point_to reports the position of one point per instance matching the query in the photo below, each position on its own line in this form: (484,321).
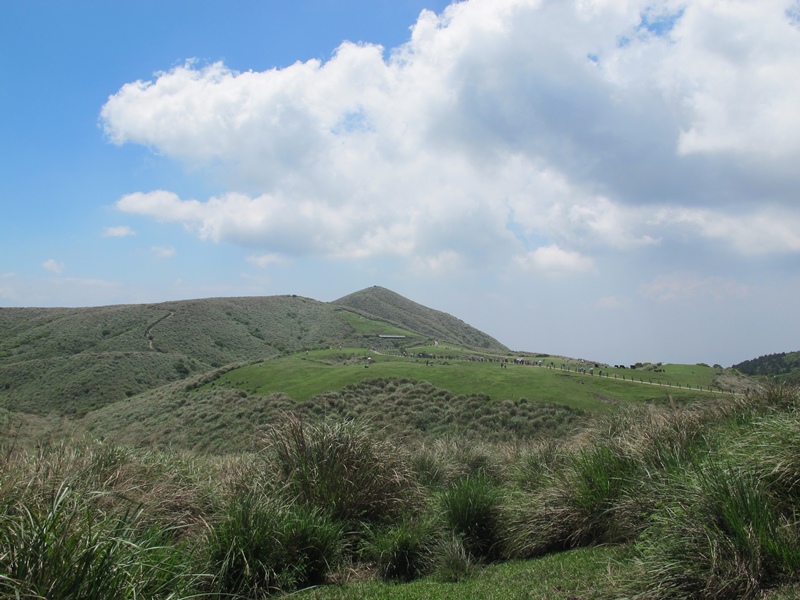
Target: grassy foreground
(583,573)
(651,502)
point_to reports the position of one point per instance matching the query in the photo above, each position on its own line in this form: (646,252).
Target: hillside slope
(74,360)
(394,308)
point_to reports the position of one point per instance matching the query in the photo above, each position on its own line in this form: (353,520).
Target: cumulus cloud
(118,231)
(572,127)
(766,230)
(53,266)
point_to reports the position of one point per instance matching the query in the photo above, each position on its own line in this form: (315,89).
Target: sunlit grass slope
(304,375)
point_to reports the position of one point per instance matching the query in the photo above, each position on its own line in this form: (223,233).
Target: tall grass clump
(728,523)
(259,547)
(718,535)
(602,488)
(446,460)
(583,501)
(598,478)
(342,469)
(67,550)
(403,552)
(536,464)
(771,447)
(471,510)
(451,560)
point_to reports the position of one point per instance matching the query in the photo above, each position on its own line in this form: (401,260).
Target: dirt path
(659,384)
(148,333)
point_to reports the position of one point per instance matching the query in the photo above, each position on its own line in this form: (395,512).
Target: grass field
(364,326)
(304,375)
(586,573)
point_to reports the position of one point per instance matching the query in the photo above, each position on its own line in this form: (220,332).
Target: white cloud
(576,127)
(118,231)
(162,252)
(552,260)
(689,286)
(265,260)
(743,93)
(53,266)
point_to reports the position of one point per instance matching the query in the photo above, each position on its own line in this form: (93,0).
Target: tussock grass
(718,535)
(222,420)
(471,508)
(342,469)
(404,551)
(67,548)
(452,561)
(447,460)
(692,502)
(259,547)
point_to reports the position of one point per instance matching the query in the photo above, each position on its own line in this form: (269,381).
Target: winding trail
(148,333)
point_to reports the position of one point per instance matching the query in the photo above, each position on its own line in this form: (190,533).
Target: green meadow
(307,374)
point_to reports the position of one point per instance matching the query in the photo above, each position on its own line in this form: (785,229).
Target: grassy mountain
(389,306)
(73,360)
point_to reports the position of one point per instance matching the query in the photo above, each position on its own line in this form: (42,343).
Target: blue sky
(611,180)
